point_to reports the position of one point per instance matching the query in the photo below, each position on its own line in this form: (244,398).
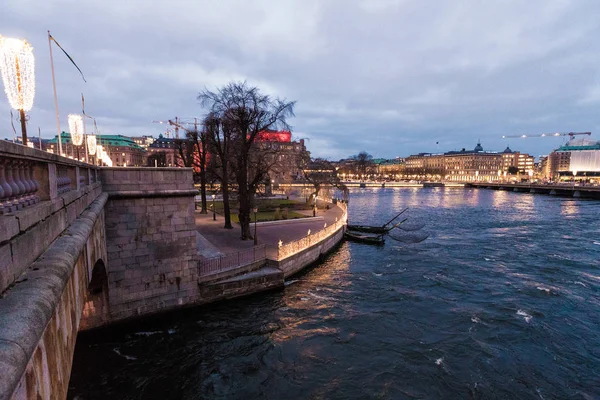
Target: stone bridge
(83,246)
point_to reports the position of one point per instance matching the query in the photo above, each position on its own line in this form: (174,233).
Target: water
(501,301)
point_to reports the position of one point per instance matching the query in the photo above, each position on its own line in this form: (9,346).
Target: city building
(122,150)
(143,141)
(287,167)
(393,168)
(164,152)
(468,165)
(473,165)
(577,158)
(522,162)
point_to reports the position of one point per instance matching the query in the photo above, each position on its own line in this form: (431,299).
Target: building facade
(577,158)
(122,150)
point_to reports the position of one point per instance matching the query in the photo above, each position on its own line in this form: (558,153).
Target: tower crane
(571,134)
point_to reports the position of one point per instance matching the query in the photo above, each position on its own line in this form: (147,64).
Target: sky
(389,77)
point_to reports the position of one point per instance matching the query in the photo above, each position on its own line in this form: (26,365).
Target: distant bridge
(566,190)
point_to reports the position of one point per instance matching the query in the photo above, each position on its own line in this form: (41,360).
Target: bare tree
(364,163)
(219,134)
(319,173)
(245,112)
(199,140)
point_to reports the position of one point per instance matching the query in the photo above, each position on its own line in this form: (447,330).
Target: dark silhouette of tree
(363,163)
(319,173)
(199,140)
(512,170)
(243,112)
(219,135)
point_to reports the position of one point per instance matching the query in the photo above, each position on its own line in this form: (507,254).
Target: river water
(501,301)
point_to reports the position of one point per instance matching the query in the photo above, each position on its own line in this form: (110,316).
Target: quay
(82,247)
(564,190)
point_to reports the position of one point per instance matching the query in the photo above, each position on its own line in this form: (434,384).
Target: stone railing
(18,185)
(231,261)
(289,249)
(28,176)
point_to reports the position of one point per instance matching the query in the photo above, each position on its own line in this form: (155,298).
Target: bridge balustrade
(28,176)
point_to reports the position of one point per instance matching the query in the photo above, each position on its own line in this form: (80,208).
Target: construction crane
(571,134)
(173,123)
(177,123)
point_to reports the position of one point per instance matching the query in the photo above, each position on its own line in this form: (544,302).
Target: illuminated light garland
(17,66)
(91,143)
(103,156)
(76,128)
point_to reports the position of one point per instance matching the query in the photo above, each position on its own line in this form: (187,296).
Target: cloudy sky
(388,77)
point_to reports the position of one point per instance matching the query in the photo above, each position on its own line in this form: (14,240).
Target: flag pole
(85,146)
(55,98)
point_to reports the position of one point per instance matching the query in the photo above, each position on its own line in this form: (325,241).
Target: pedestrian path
(216,239)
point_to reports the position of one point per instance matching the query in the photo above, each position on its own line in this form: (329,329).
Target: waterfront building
(393,168)
(473,165)
(577,158)
(521,161)
(468,165)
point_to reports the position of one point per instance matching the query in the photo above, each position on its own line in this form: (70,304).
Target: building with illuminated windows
(579,158)
(122,150)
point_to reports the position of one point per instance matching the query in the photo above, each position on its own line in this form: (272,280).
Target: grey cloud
(389,77)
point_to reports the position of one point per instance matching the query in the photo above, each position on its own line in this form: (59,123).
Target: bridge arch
(96,306)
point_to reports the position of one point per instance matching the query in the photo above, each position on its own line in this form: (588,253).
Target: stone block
(7,273)
(9,227)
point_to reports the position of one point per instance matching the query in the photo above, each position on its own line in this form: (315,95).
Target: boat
(369,239)
(377,229)
(367,228)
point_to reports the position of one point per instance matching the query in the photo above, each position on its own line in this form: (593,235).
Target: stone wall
(301,260)
(40,313)
(151,240)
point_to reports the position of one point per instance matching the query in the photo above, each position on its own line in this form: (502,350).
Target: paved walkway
(214,240)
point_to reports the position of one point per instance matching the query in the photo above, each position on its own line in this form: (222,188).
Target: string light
(101,154)
(18,72)
(76,128)
(91,143)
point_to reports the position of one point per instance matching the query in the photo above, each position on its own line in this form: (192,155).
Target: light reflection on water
(500,302)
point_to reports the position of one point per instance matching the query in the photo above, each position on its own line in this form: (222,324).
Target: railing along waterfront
(28,176)
(231,261)
(296,246)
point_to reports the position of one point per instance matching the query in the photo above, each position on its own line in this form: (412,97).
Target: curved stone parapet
(40,313)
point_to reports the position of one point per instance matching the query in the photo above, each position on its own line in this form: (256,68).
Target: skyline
(391,78)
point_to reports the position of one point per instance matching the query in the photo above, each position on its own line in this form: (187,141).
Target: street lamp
(255,210)
(17,69)
(214,213)
(315,206)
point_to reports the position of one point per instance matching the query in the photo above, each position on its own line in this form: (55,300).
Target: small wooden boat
(367,228)
(369,239)
(377,229)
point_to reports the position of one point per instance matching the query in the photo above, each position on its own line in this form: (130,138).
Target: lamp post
(315,207)
(214,213)
(255,210)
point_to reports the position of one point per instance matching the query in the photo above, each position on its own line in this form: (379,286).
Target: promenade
(213,240)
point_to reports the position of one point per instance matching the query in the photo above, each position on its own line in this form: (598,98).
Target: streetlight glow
(17,67)
(18,72)
(91,143)
(76,128)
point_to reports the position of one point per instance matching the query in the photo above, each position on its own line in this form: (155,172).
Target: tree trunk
(225,191)
(203,189)
(245,205)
